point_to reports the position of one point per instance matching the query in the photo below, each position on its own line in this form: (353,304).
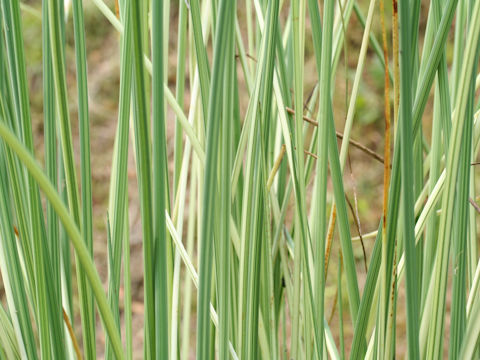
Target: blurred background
(363,176)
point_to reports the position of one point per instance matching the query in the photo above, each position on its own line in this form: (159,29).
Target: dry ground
(363,176)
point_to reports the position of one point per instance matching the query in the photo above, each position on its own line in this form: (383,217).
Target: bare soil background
(363,176)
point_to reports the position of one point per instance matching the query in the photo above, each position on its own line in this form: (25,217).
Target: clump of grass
(248,161)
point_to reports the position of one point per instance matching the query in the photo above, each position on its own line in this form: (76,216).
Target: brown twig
(306,152)
(72,335)
(355,200)
(117,10)
(396,62)
(474,204)
(386,170)
(311,154)
(309,97)
(357,224)
(331,228)
(250,57)
(354,143)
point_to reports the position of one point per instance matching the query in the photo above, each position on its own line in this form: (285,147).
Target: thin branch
(72,335)
(357,224)
(475,205)
(354,143)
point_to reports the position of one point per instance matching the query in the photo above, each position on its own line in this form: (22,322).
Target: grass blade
(160,186)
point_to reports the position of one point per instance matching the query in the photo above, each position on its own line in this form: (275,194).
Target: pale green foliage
(246,215)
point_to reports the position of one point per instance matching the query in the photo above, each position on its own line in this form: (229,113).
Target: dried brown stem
(354,143)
